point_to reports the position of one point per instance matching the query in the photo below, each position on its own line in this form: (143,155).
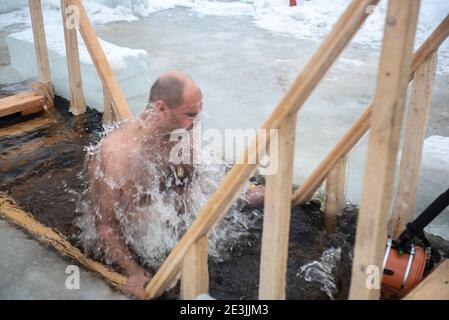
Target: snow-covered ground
(236,48)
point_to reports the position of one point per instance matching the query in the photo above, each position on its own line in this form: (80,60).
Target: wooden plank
(21,102)
(77,102)
(40,44)
(434,287)
(335,193)
(26,127)
(43,89)
(394,71)
(417,119)
(432,43)
(195,270)
(236,178)
(108,112)
(12,213)
(101,63)
(277,211)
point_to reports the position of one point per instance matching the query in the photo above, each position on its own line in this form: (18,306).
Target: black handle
(416,227)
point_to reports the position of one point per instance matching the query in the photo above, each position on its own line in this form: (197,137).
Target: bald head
(172,88)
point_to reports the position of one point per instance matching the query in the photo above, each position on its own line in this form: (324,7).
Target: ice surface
(434,180)
(436,152)
(309,20)
(129,65)
(31,271)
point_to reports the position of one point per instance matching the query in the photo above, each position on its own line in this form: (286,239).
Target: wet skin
(121,159)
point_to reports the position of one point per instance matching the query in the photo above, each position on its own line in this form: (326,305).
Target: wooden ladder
(397,67)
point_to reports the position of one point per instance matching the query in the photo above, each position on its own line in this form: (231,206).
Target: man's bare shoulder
(115,148)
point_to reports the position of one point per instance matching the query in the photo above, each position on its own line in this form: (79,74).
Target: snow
(311,19)
(129,65)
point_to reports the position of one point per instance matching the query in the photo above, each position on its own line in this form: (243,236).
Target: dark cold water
(41,170)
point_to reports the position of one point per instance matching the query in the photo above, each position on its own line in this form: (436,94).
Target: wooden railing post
(40,44)
(276,224)
(335,193)
(100,61)
(77,102)
(386,121)
(417,118)
(195,271)
(108,111)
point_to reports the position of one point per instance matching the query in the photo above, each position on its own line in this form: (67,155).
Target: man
(119,170)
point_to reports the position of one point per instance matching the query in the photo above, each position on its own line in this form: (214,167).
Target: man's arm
(109,230)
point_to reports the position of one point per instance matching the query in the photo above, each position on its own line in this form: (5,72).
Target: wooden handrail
(234,181)
(121,108)
(432,43)
(362,124)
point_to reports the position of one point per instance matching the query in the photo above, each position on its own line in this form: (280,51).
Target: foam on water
(152,228)
(322,271)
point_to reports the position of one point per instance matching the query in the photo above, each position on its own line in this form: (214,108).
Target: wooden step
(27,127)
(435,286)
(25,102)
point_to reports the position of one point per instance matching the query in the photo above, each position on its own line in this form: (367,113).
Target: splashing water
(322,271)
(162,207)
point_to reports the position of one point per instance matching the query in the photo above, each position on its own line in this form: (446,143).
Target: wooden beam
(101,63)
(12,213)
(77,102)
(335,194)
(236,178)
(277,211)
(362,124)
(108,112)
(394,71)
(44,90)
(195,271)
(434,287)
(415,130)
(40,44)
(26,127)
(22,102)
(432,43)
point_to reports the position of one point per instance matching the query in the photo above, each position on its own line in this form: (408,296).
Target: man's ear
(160,107)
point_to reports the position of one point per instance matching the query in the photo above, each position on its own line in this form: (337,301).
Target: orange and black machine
(405,261)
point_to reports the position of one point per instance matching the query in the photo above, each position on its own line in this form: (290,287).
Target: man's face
(184,116)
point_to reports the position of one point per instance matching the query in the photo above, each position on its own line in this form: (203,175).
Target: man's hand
(136,284)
